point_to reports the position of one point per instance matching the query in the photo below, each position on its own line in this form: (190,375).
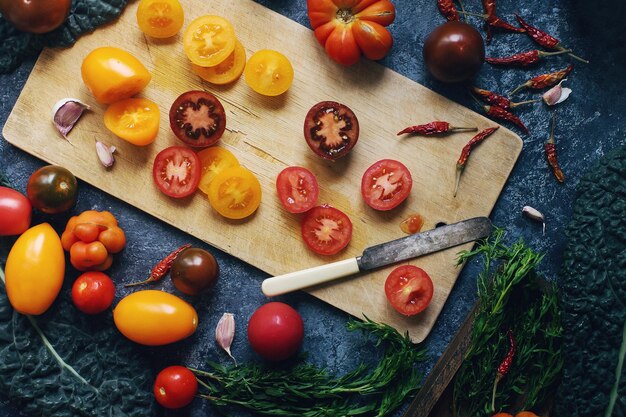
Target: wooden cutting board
(265,133)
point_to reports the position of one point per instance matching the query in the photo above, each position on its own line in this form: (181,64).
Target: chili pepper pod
(551,154)
(160,269)
(503,114)
(495,99)
(524,59)
(448,10)
(544,80)
(434,128)
(467,150)
(503,368)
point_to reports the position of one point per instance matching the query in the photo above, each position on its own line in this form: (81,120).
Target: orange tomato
(226,71)
(209,40)
(214,160)
(235,193)
(154,318)
(136,120)
(113,74)
(160,18)
(269,72)
(526,414)
(35,270)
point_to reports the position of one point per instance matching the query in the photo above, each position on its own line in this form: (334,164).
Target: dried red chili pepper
(494,21)
(448,9)
(499,113)
(544,80)
(504,367)
(160,269)
(551,155)
(495,99)
(434,128)
(465,153)
(524,59)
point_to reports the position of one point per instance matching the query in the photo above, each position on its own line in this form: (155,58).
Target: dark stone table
(589,124)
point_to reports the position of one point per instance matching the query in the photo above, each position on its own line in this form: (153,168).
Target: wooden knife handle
(293,281)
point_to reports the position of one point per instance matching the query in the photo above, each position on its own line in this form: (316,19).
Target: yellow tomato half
(268,72)
(113,74)
(155,318)
(35,270)
(160,18)
(226,71)
(209,40)
(214,160)
(235,193)
(136,120)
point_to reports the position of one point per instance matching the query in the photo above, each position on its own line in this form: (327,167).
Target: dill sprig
(511,296)
(308,391)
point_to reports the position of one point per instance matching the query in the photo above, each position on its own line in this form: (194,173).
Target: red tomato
(175,387)
(93,292)
(348,28)
(176,171)
(297,189)
(15,212)
(409,289)
(386,184)
(326,230)
(197,118)
(275,331)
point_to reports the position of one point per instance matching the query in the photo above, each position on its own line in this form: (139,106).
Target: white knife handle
(293,281)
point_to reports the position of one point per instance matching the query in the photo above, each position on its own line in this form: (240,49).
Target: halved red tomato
(176,171)
(326,230)
(331,129)
(197,118)
(297,189)
(409,289)
(386,184)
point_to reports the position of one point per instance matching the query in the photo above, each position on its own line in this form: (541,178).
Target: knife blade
(381,255)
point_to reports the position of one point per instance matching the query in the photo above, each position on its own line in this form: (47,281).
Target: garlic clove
(65,114)
(556,94)
(225,332)
(533,213)
(105,154)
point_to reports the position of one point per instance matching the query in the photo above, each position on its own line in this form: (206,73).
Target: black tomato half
(198,118)
(331,129)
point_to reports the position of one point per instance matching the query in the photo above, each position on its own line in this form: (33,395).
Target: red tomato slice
(409,289)
(176,171)
(297,189)
(326,230)
(386,184)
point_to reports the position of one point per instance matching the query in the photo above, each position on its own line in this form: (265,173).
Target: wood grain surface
(265,133)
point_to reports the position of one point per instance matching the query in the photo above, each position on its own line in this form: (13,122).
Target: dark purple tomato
(454,52)
(52,189)
(194,270)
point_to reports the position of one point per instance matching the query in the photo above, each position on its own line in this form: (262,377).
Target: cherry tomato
(35,270)
(15,212)
(176,171)
(214,160)
(93,292)
(35,16)
(113,74)
(235,193)
(454,52)
(347,29)
(160,18)
(226,71)
(209,40)
(326,230)
(409,289)
(136,120)
(155,318)
(297,189)
(194,270)
(52,189)
(198,118)
(331,129)
(175,387)
(386,184)
(268,72)
(275,331)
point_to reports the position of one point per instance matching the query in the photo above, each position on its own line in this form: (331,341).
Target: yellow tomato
(155,318)
(226,71)
(214,160)
(35,269)
(160,18)
(235,193)
(269,72)
(209,40)
(135,120)
(113,74)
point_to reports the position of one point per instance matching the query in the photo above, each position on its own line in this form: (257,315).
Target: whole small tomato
(175,387)
(275,331)
(93,292)
(15,212)
(52,189)
(194,270)
(35,16)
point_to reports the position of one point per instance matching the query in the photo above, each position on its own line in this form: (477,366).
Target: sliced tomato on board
(297,189)
(331,129)
(386,184)
(136,120)
(160,18)
(409,289)
(269,72)
(176,171)
(209,40)
(326,230)
(214,160)
(197,118)
(226,71)
(235,193)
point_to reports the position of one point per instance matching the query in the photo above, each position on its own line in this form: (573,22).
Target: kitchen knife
(381,255)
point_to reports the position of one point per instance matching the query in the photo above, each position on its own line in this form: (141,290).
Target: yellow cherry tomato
(209,40)
(235,193)
(113,74)
(135,120)
(160,18)
(35,270)
(214,160)
(268,72)
(155,318)
(226,71)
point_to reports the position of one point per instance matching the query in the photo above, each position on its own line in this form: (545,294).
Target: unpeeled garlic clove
(65,114)
(536,215)
(556,94)
(105,153)
(225,332)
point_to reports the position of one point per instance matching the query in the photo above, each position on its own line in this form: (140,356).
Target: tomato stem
(345,15)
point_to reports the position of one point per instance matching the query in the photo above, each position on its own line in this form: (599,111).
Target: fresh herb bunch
(511,297)
(308,391)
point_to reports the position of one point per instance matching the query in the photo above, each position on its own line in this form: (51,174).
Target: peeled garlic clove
(556,94)
(65,114)
(105,154)
(536,215)
(225,332)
